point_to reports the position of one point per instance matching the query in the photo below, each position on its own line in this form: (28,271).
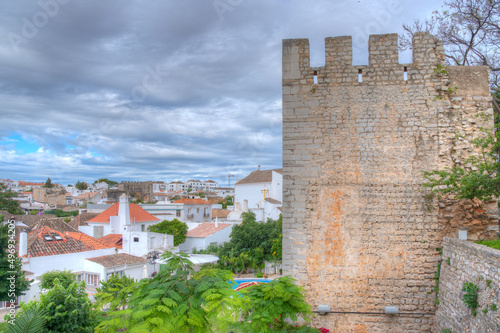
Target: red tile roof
(87,195)
(192,201)
(117,259)
(206,229)
(114,240)
(137,214)
(23,183)
(273,201)
(259,176)
(72,242)
(220,213)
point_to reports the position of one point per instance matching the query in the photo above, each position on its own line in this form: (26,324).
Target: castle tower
(359,230)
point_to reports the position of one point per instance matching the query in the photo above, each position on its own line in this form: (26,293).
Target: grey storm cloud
(160,89)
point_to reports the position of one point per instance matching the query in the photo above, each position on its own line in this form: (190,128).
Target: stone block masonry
(359,231)
(468,262)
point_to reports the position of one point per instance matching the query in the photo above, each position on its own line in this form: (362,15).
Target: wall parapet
(464,261)
(383,60)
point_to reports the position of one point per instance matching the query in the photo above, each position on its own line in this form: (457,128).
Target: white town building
(262,192)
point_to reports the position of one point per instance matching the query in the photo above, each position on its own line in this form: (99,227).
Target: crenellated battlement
(383,57)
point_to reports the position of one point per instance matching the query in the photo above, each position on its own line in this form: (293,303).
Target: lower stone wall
(462,262)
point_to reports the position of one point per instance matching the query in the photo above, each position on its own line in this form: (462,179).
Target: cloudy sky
(161,89)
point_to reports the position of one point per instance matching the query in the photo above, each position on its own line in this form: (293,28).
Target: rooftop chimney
(124,210)
(23,243)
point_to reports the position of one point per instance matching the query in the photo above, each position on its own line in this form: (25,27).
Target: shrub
(65,278)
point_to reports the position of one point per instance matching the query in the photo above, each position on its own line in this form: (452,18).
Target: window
(190,211)
(92,279)
(143,227)
(136,239)
(119,273)
(47,238)
(57,237)
(198,210)
(178,213)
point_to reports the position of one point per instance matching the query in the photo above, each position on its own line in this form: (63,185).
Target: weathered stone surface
(468,262)
(359,231)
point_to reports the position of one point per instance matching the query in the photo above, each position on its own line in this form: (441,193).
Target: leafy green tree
(239,263)
(65,278)
(178,300)
(10,262)
(2,217)
(267,306)
(107,181)
(81,186)
(469,30)
(176,197)
(30,321)
(481,180)
(114,292)
(68,309)
(250,235)
(175,227)
(9,204)
(62,213)
(48,183)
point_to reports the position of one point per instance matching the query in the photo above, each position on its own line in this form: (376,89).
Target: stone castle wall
(359,231)
(468,262)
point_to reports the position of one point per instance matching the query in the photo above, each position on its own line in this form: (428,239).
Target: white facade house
(261,192)
(166,211)
(120,264)
(210,185)
(205,234)
(46,249)
(102,186)
(132,222)
(114,219)
(159,187)
(176,186)
(195,185)
(224,191)
(196,210)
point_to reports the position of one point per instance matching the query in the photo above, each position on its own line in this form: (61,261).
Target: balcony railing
(206,215)
(190,216)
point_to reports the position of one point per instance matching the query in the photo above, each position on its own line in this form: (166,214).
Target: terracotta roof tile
(206,229)
(259,176)
(137,214)
(220,213)
(117,259)
(273,201)
(114,240)
(70,242)
(88,195)
(192,201)
(82,219)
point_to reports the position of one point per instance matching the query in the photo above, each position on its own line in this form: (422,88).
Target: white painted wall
(219,237)
(276,191)
(146,241)
(251,192)
(70,261)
